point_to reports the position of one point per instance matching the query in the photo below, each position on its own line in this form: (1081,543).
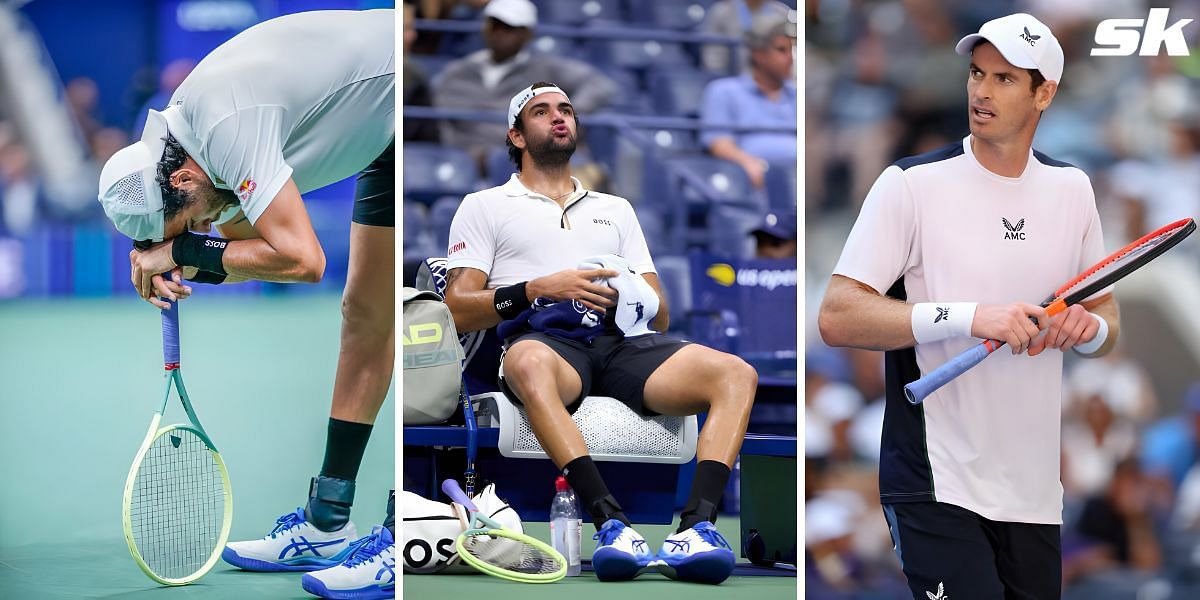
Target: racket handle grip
(917,391)
(170,332)
(451,489)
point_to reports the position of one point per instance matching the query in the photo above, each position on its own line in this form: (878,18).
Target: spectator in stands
(1186,515)
(775,237)
(168,81)
(486,79)
(731,18)
(764,97)
(1120,521)
(416,87)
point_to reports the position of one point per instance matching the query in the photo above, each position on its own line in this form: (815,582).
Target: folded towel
(568,320)
(638,302)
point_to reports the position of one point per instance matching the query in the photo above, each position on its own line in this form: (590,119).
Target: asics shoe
(621,552)
(699,554)
(369,572)
(293,545)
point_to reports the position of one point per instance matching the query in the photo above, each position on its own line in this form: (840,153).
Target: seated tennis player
(529,256)
(288,106)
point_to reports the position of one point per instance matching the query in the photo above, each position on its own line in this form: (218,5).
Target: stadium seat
(640,54)
(631,99)
(432,171)
(672,14)
(678,92)
(415,222)
(675,275)
(430,64)
(577,12)
(674,141)
(556,46)
(726,182)
(780,183)
(729,229)
(441,214)
(499,167)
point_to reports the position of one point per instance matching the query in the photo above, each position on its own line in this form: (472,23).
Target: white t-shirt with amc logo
(310,96)
(940,227)
(514,234)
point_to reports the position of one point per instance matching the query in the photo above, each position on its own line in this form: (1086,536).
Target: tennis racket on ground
(504,553)
(178,504)
(1101,275)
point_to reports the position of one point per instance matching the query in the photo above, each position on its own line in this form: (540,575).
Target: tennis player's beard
(550,154)
(214,198)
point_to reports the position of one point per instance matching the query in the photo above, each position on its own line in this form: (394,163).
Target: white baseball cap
(524,96)
(1024,42)
(129,191)
(514,13)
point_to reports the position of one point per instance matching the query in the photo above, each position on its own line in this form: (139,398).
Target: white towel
(638,302)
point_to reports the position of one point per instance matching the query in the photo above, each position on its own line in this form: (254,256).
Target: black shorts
(611,366)
(951,552)
(375,191)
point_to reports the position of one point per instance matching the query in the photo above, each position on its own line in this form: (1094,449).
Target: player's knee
(526,362)
(739,376)
(365,315)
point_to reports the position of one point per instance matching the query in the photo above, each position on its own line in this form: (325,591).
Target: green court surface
(79,381)
(650,585)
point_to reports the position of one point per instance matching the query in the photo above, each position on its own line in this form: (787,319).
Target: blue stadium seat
(672,14)
(729,229)
(417,240)
(675,276)
(780,183)
(432,171)
(577,12)
(678,92)
(726,180)
(499,167)
(441,214)
(430,64)
(640,54)
(557,46)
(674,141)
(631,99)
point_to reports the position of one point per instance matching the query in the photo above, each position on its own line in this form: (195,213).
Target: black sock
(390,521)
(583,477)
(708,484)
(344,446)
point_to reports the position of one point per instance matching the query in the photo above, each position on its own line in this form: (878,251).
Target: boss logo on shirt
(1014,231)
(602,222)
(246,189)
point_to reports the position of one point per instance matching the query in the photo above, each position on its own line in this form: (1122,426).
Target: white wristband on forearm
(936,321)
(1101,335)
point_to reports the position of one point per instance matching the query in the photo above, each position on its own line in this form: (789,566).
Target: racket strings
(178,504)
(511,555)
(1127,259)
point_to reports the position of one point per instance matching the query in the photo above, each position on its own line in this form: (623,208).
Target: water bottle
(566,525)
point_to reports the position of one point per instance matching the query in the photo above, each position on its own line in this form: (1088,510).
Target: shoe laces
(288,521)
(709,533)
(608,534)
(365,549)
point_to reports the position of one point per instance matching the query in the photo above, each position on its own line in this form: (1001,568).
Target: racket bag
(430,529)
(432,359)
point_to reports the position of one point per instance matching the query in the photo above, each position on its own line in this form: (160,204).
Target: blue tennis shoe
(621,553)
(698,554)
(368,573)
(293,545)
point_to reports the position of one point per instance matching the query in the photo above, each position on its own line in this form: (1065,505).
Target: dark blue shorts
(950,552)
(375,191)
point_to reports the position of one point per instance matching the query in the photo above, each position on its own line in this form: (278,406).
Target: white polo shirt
(941,227)
(310,96)
(514,234)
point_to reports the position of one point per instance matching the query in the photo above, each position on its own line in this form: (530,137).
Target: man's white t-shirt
(941,227)
(514,234)
(310,96)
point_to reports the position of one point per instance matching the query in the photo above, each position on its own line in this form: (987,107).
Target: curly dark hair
(172,160)
(514,153)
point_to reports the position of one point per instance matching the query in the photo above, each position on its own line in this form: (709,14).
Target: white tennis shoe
(621,552)
(698,554)
(293,545)
(368,573)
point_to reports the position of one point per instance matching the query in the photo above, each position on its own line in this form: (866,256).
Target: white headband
(524,96)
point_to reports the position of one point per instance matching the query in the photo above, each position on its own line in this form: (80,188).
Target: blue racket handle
(170,330)
(917,391)
(450,487)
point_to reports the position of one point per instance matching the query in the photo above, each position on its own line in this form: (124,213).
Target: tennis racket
(178,504)
(504,553)
(1101,275)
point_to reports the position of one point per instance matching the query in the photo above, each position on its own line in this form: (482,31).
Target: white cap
(1024,42)
(524,96)
(514,13)
(129,192)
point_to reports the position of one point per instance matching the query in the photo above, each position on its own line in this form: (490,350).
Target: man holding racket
(959,244)
(287,106)
(525,241)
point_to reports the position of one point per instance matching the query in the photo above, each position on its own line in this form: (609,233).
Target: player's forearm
(854,317)
(1110,312)
(257,259)
(472,311)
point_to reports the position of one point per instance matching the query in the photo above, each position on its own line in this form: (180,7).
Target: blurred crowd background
(882,81)
(76,80)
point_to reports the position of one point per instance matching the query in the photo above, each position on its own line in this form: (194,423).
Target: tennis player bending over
(959,244)
(285,107)
(524,241)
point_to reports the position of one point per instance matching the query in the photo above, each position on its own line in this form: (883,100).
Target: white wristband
(936,321)
(1101,335)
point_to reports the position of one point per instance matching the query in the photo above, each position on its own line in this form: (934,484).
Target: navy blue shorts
(375,191)
(612,366)
(950,552)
